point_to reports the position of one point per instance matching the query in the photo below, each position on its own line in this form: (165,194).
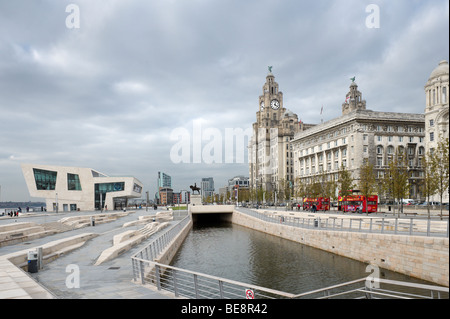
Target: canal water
(238,253)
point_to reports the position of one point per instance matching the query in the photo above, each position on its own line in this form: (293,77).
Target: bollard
(92,221)
(40,257)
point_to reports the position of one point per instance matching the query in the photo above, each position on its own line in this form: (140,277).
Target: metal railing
(396,226)
(195,285)
(154,249)
(371,288)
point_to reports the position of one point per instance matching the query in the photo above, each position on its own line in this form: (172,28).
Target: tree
(396,178)
(300,187)
(367,180)
(345,182)
(428,184)
(440,164)
(284,189)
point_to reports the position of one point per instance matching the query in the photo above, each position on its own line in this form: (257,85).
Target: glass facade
(45,180)
(73,182)
(102,188)
(137,188)
(109,187)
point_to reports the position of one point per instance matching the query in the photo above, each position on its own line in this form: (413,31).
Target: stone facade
(270,156)
(436,110)
(360,135)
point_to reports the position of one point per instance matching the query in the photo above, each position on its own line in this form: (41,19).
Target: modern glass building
(76,188)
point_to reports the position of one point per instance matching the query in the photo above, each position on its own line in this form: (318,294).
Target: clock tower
(270,156)
(270,103)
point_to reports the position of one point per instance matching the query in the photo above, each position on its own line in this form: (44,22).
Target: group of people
(312,208)
(13,213)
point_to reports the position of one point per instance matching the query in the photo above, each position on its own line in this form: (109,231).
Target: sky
(130,88)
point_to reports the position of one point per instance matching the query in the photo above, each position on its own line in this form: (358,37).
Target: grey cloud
(109,94)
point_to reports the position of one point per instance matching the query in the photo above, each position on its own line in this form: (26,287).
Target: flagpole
(321,115)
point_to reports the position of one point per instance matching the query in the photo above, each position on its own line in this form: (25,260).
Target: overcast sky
(109,94)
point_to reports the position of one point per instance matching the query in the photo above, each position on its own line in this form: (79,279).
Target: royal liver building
(270,155)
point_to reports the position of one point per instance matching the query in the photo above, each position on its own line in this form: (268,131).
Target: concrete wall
(211,209)
(426,258)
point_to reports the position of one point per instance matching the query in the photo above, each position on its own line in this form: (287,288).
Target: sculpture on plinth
(195,188)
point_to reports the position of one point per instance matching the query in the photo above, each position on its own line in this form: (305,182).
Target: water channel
(238,253)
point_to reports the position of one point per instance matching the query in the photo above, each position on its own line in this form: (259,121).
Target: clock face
(262,104)
(275,104)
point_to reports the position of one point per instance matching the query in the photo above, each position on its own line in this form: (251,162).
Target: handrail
(330,287)
(220,279)
(395,226)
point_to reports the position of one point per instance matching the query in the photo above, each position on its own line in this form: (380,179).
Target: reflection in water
(234,252)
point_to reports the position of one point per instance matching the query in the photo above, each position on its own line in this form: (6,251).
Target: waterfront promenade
(112,279)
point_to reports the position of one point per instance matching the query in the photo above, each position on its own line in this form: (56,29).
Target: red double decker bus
(320,202)
(358,203)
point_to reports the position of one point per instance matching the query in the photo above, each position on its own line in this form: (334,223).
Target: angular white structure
(76,188)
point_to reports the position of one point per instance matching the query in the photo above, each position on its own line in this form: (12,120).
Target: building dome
(442,69)
(288,113)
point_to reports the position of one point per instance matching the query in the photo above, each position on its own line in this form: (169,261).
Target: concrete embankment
(422,257)
(167,254)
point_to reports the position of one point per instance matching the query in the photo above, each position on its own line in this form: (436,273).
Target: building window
(444,95)
(379,149)
(379,161)
(431,136)
(45,180)
(73,182)
(431,122)
(390,150)
(400,138)
(109,187)
(138,189)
